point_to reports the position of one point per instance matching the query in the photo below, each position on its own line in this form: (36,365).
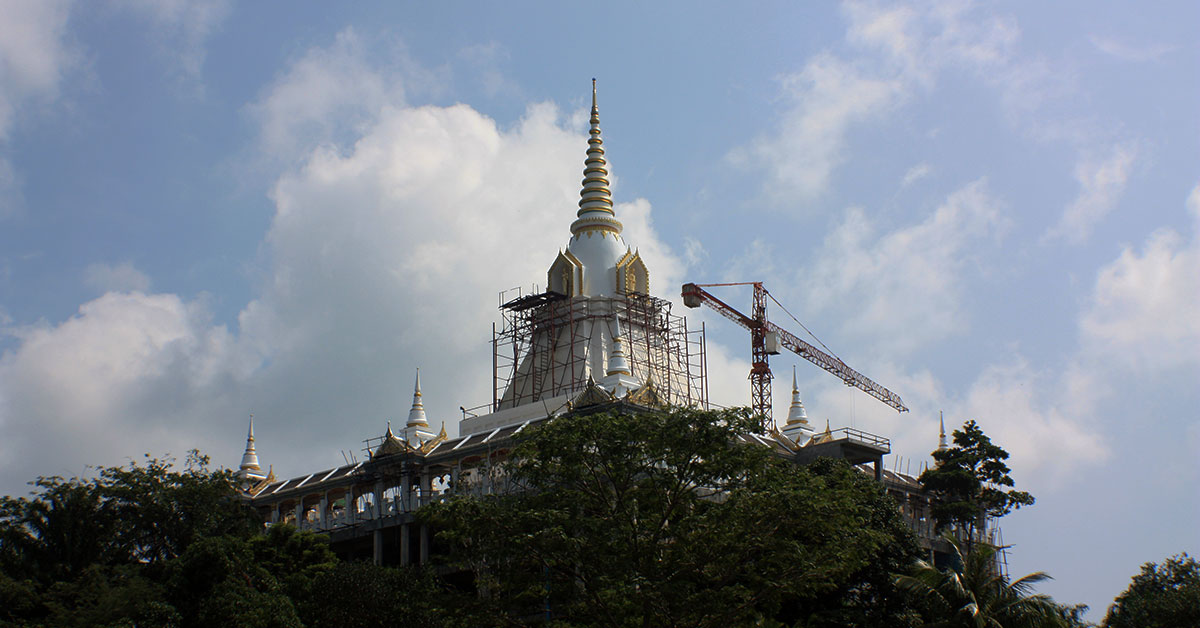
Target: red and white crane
(766,338)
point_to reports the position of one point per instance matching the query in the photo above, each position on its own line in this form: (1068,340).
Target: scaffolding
(542,347)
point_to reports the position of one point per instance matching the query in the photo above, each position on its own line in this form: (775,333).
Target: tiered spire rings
(796,414)
(595,199)
(416,416)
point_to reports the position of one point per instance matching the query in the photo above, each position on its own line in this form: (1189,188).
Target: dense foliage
(666,519)
(1161,596)
(149,545)
(970,482)
(656,519)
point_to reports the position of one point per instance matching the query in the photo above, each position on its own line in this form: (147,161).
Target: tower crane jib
(766,338)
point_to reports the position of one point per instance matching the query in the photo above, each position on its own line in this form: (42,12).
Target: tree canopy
(668,519)
(1160,596)
(970,482)
(150,545)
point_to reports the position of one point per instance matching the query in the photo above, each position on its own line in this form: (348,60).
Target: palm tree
(976,595)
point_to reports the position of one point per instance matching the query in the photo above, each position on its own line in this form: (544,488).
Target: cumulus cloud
(1101,182)
(1144,311)
(906,285)
(128,373)
(121,277)
(385,254)
(1047,443)
(326,95)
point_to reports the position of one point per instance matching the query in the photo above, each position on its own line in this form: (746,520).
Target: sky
(210,209)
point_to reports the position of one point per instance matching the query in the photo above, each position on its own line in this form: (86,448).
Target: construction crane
(766,338)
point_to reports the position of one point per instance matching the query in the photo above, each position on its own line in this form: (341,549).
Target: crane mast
(766,338)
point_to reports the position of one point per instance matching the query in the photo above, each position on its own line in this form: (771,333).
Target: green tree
(975,594)
(58,532)
(970,482)
(161,510)
(1161,596)
(670,519)
(114,550)
(367,595)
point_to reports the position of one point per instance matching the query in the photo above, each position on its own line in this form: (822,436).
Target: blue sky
(209,209)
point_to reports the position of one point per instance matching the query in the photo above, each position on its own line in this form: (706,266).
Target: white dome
(598,251)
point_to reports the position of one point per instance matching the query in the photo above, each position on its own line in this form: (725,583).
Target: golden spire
(942,446)
(595,198)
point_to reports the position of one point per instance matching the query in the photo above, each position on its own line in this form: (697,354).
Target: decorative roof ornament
(416,416)
(595,198)
(592,395)
(390,445)
(823,437)
(942,446)
(249,468)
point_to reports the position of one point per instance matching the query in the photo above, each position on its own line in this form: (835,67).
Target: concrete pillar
(377,543)
(405,558)
(324,518)
(275,513)
(379,499)
(405,492)
(426,486)
(299,512)
(351,517)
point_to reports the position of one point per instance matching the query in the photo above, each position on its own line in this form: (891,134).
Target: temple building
(595,339)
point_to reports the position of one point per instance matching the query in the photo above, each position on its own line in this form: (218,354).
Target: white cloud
(326,95)
(129,374)
(916,173)
(1046,442)
(384,255)
(903,48)
(121,277)
(1127,51)
(183,26)
(1101,182)
(1144,313)
(904,287)
(827,97)
(35,55)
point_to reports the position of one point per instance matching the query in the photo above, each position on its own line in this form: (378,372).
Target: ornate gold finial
(595,199)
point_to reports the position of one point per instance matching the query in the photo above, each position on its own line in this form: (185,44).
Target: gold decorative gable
(391,445)
(565,275)
(632,275)
(263,483)
(428,445)
(593,395)
(647,396)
